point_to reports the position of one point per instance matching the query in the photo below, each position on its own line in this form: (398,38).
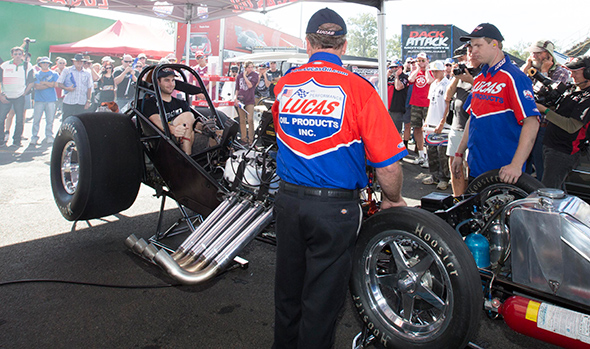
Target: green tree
(519,50)
(362,36)
(394,46)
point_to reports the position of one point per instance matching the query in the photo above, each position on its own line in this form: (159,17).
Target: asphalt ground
(234,310)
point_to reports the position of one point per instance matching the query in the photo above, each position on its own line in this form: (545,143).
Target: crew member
(568,126)
(329,122)
(503,123)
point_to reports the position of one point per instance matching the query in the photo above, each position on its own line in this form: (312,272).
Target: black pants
(19,115)
(315,242)
(73,109)
(558,165)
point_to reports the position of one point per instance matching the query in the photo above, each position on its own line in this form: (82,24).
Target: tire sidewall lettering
(370,325)
(439,248)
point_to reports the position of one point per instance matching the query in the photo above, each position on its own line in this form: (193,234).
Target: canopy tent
(194,11)
(121,38)
(181,10)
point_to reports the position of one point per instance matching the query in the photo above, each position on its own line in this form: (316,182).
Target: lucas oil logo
(311,111)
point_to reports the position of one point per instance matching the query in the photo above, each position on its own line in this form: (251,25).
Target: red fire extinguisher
(547,322)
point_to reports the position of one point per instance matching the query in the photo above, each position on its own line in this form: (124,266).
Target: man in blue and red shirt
(328,121)
(503,121)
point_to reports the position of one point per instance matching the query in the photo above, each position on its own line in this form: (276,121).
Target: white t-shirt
(436,96)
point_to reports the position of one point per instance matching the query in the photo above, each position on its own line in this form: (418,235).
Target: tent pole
(221,46)
(188,42)
(187,47)
(382,48)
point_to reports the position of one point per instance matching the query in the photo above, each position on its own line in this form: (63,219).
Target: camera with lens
(549,93)
(461,68)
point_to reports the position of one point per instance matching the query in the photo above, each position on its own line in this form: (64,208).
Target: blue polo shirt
(501,98)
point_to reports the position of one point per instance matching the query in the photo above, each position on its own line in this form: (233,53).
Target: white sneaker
(424,163)
(442,185)
(418,161)
(428,180)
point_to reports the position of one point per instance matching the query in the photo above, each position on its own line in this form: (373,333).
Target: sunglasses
(421,60)
(127,61)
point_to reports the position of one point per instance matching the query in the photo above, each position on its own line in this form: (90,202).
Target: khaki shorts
(454,140)
(418,115)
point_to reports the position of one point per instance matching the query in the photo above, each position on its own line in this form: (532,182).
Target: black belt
(301,191)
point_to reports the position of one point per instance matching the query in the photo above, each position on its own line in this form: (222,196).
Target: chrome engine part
(212,246)
(550,243)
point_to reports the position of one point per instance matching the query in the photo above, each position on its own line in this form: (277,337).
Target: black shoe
(16,144)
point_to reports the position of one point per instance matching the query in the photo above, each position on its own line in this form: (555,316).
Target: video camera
(551,92)
(461,68)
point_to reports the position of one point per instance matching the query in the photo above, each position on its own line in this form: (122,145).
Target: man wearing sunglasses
(17,78)
(125,76)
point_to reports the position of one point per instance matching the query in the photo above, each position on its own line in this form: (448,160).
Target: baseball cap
(199,54)
(484,30)
(460,51)
(395,63)
(142,55)
(44,59)
(540,46)
(449,61)
(579,62)
(437,65)
(165,72)
(409,60)
(107,59)
(422,55)
(263,65)
(324,16)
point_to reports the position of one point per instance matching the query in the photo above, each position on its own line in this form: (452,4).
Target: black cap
(460,51)
(579,62)
(324,16)
(484,30)
(165,72)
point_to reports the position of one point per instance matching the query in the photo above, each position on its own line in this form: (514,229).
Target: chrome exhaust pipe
(214,231)
(206,253)
(226,256)
(163,259)
(220,211)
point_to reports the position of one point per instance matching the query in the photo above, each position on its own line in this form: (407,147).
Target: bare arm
(511,172)
(391,179)
(413,75)
(457,164)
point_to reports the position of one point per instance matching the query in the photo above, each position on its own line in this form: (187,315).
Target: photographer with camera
(125,75)
(568,126)
(457,92)
(542,60)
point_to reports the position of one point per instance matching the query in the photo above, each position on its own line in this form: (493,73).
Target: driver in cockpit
(177,112)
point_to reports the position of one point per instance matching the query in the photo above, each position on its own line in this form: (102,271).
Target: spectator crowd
(433,104)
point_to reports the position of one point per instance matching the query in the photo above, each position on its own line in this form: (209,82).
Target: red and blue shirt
(501,98)
(327,120)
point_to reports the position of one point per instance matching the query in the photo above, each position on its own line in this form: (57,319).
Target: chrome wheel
(70,168)
(407,284)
